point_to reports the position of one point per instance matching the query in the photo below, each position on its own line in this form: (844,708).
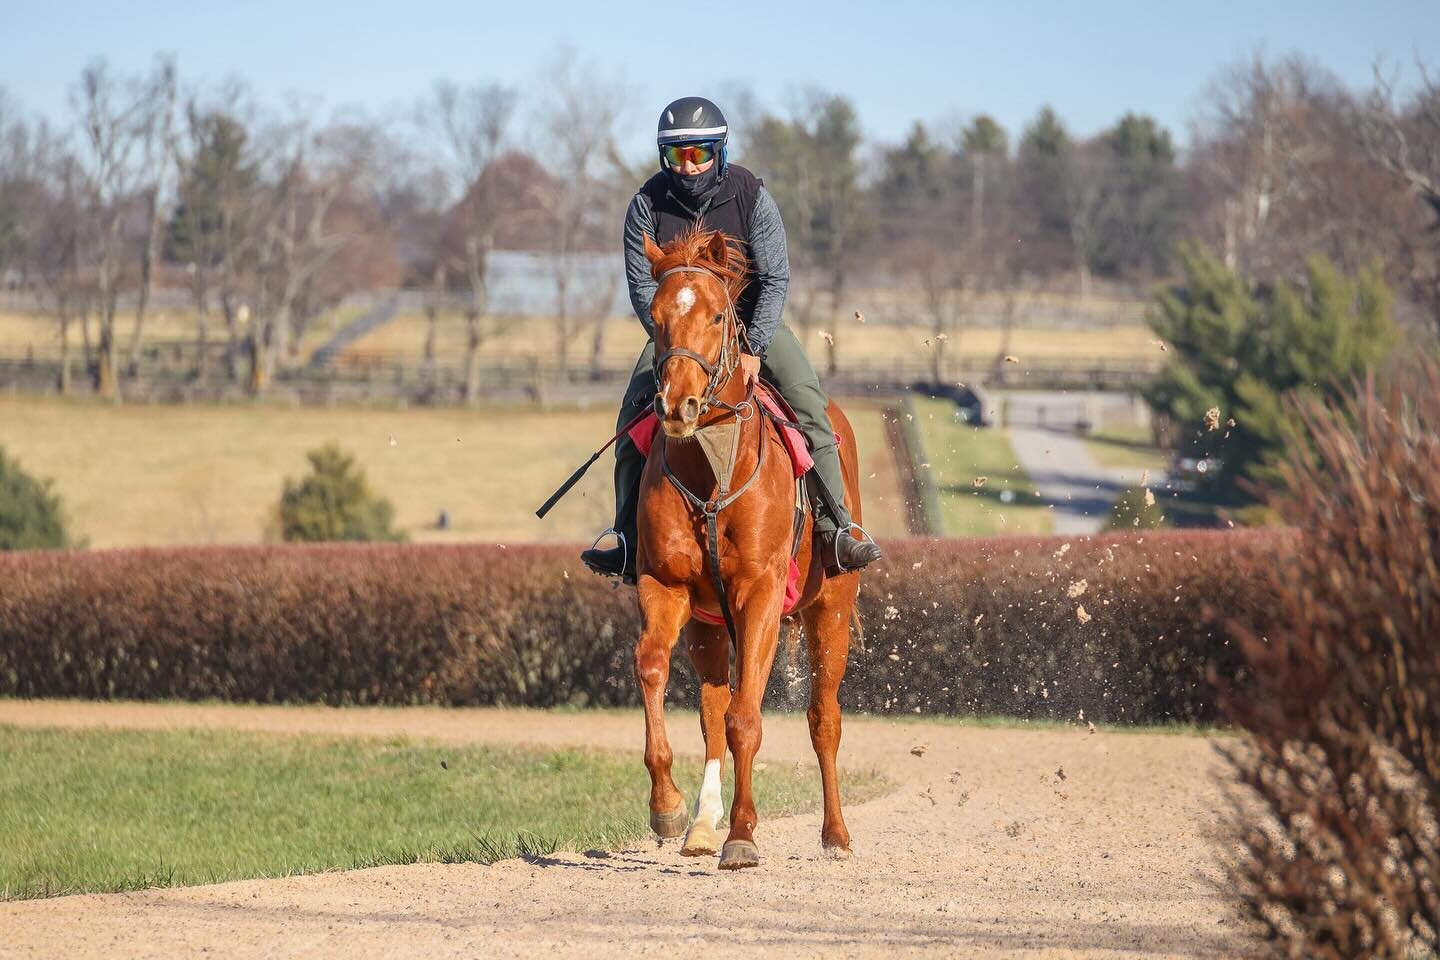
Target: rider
(697,185)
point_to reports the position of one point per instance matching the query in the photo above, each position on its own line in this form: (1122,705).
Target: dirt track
(1007,860)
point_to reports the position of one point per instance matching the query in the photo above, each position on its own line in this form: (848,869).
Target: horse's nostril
(661,407)
(690,409)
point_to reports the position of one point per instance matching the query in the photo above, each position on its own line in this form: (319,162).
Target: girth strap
(711,509)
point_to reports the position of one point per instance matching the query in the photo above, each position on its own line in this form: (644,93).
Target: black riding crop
(575,477)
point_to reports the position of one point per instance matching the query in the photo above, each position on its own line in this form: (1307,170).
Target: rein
(724,368)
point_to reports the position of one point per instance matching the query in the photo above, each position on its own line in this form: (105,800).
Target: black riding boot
(840,551)
(619,560)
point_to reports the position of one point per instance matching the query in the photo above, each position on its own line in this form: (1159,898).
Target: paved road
(1043,430)
(1069,479)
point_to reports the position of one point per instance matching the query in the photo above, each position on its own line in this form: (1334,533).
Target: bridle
(719,372)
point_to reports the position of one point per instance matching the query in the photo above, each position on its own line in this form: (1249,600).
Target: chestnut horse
(697,342)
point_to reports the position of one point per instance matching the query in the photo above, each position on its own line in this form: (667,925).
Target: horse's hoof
(836,852)
(701,841)
(670,825)
(738,855)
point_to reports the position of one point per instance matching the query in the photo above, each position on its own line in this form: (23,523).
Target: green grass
(1127,447)
(101,811)
(958,453)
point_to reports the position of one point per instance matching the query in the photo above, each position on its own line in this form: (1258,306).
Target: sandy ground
(985,850)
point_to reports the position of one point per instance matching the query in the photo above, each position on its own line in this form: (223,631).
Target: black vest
(729,212)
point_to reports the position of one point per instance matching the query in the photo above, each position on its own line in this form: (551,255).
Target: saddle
(721,443)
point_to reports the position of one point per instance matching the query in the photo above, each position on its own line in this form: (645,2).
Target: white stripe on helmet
(689,133)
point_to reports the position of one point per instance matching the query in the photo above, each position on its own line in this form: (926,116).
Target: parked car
(1186,472)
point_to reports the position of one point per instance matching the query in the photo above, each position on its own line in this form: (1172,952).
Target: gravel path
(998,843)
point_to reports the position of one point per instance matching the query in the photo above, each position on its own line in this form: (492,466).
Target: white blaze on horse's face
(681,321)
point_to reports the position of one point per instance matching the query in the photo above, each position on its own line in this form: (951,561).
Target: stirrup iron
(624,548)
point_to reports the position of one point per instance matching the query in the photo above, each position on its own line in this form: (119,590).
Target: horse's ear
(652,252)
(719,249)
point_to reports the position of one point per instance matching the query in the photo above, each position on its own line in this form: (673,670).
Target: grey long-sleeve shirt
(768,259)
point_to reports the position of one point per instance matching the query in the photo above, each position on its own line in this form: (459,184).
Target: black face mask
(698,190)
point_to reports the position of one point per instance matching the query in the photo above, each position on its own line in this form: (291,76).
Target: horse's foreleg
(827,635)
(663,611)
(710,653)
(758,625)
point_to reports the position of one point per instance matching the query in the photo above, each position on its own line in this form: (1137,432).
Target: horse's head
(696,329)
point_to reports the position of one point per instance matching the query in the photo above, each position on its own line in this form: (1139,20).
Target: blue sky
(1092,61)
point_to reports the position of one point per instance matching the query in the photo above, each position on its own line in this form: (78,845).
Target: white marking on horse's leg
(707,803)
(685,298)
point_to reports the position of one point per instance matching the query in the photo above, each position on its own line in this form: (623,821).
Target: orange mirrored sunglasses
(697,153)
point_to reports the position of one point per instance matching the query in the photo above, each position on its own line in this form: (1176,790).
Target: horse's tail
(859,632)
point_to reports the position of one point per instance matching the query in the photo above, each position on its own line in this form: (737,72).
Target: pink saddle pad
(643,433)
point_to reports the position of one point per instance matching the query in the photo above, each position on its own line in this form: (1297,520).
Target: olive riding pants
(784,365)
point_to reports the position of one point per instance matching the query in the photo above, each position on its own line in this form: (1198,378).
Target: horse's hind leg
(663,611)
(710,653)
(827,634)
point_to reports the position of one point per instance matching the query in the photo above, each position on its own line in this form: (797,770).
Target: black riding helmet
(692,120)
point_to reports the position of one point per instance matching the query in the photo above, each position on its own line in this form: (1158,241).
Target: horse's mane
(692,249)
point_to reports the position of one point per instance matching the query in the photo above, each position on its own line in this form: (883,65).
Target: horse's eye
(718,318)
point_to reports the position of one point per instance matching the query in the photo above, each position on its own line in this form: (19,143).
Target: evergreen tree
(31,516)
(334,503)
(912,175)
(985,136)
(216,178)
(1247,352)
(1138,222)
(1040,161)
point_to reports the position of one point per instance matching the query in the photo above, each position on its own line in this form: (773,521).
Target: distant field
(41,333)
(522,338)
(958,455)
(135,475)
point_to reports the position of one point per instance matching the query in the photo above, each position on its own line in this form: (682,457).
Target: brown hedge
(951,626)
(1337,851)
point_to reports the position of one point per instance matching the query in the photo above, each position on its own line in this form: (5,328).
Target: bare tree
(111,112)
(295,232)
(1256,151)
(576,122)
(43,223)
(157,162)
(1405,141)
(1085,177)
(471,124)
